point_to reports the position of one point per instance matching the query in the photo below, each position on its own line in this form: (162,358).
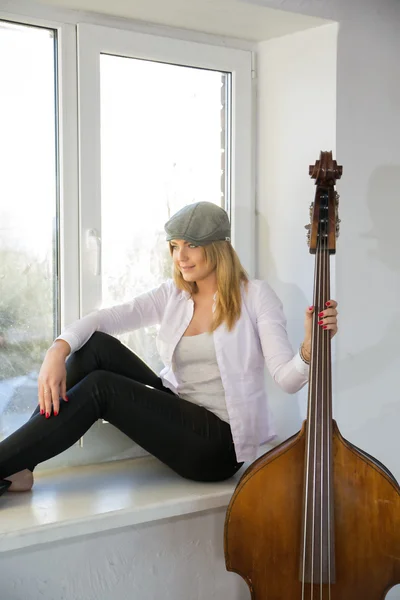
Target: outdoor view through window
(28,235)
(164,144)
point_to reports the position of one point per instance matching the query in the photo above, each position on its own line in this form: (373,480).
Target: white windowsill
(79,501)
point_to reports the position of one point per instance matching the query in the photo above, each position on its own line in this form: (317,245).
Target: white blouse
(258,338)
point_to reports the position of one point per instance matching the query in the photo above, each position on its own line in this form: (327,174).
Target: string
(328,424)
(320,384)
(309,422)
(321,538)
(315,372)
(317,309)
(325,426)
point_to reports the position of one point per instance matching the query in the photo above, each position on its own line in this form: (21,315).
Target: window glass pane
(163,146)
(28,278)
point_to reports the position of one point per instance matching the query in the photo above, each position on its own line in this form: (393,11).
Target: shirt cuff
(71,339)
(301,366)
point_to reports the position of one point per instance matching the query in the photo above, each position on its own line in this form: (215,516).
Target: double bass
(316,518)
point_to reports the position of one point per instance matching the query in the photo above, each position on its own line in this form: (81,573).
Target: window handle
(93,238)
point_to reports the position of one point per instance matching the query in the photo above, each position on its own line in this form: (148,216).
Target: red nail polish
(320,314)
(320,322)
(66,399)
(327,303)
(42,411)
(55,413)
(325,327)
(310,307)
(47,415)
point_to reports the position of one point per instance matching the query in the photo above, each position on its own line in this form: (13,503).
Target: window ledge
(80,501)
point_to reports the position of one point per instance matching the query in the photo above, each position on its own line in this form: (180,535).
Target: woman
(207,412)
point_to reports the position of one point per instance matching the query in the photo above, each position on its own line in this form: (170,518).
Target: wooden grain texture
(264,518)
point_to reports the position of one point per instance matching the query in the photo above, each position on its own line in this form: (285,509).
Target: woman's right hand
(52,380)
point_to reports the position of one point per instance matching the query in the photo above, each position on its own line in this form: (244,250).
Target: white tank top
(197,372)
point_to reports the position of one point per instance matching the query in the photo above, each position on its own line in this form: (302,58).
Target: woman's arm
(144,310)
(287,368)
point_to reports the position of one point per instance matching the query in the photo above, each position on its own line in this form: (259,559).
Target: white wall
(368,261)
(292,130)
(297,106)
(297,119)
(179,559)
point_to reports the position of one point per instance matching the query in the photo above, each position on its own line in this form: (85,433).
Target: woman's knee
(96,354)
(99,338)
(94,348)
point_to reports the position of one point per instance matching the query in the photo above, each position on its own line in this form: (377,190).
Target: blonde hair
(230,277)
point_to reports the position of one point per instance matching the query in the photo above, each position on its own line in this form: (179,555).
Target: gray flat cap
(200,223)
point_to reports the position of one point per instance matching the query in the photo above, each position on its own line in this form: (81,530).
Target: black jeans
(106,380)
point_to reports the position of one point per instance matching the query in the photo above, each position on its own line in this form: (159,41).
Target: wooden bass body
(316,518)
(263,532)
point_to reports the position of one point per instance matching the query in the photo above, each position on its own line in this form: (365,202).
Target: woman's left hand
(327,319)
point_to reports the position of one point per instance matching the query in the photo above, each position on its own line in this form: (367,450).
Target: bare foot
(21,482)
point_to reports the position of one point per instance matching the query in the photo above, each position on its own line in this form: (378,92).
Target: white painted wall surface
(366,396)
(180,559)
(368,261)
(297,119)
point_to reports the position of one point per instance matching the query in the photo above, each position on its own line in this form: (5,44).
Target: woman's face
(190,260)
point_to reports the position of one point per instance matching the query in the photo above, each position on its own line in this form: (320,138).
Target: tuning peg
(308,233)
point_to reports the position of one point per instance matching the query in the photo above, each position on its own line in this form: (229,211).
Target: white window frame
(212,52)
(67,138)
(93,40)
